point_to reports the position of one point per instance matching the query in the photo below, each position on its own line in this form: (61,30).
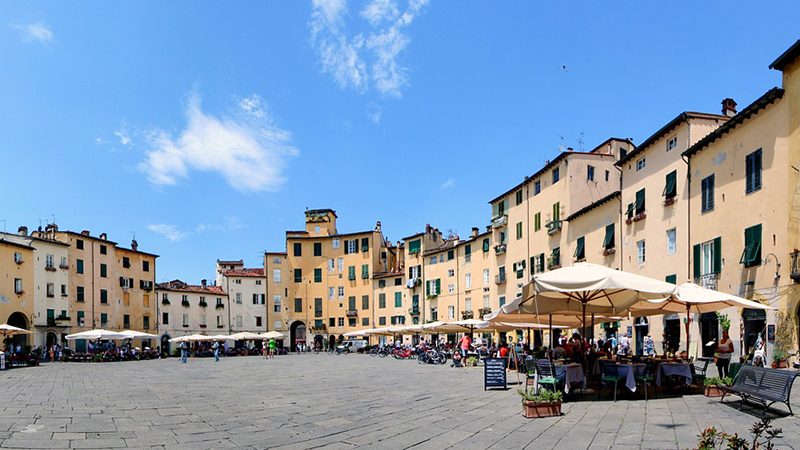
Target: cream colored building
(247,290)
(186,309)
(16,289)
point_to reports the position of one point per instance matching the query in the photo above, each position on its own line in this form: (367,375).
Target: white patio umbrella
(8,330)
(192,338)
(247,336)
(459,326)
(98,334)
(274,335)
(360,333)
(220,337)
(133,334)
(385,331)
(691,298)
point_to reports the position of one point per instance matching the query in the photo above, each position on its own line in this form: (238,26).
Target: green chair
(700,366)
(608,375)
(647,378)
(546,375)
(530,368)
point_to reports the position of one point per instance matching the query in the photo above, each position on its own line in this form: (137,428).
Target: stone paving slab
(325,402)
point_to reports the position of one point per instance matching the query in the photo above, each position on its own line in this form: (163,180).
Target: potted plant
(544,404)
(778,359)
(712,385)
(471,361)
(784,338)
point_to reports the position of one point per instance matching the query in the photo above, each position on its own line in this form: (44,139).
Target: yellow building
(16,289)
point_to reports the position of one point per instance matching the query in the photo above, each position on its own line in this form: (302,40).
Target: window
(317,275)
(258,321)
(103,250)
(351,272)
(381,320)
(317,248)
(502,300)
(365,302)
(751,256)
(80,295)
(433,287)
(237,281)
(468,280)
(238,321)
(433,260)
(468,253)
(451,312)
(451,288)
(316,229)
(672,143)
(18,285)
(707,194)
(238,298)
(640,163)
(486,302)
(414,271)
(398,299)
(276,260)
(340,264)
(671,279)
(519,197)
(103,319)
(365,321)
(414,246)
(64,290)
(165,318)
(590,173)
(276,275)
(341,321)
(607,175)
(580,249)
(126,262)
(51,289)
(64,262)
(351,246)
(103,271)
(146,266)
(398,281)
(608,241)
(331,293)
(671,241)
(753,171)
(365,245)
(79,244)
(537,187)
(49,262)
(351,322)
(468,304)
(381,284)
(317,307)
(671,185)
(335,243)
(555,175)
(556,211)
(103,296)
(297,249)
(485,277)
(79,266)
(298,305)
(126,321)
(519,268)
(485,245)
(298,275)
(519,230)
(340,292)
(365,271)
(222,305)
(331,265)
(381,301)
(640,251)
(537,221)
(255,299)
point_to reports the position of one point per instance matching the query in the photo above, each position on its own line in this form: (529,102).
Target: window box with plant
(711,386)
(500,249)
(544,404)
(466,315)
(185,303)
(553,227)
(220,306)
(203,304)
(165,301)
(50,268)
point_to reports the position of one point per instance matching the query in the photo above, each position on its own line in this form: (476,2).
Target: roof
(324,210)
(453,243)
(14,244)
(593,205)
(388,275)
(752,109)
(86,236)
(787,57)
(682,117)
(330,235)
(414,235)
(137,251)
(275,253)
(180,286)
(609,140)
(34,238)
(231,263)
(546,168)
(257,273)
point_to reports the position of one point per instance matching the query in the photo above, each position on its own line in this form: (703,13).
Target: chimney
(23,231)
(103,236)
(85,232)
(427,228)
(474,232)
(204,283)
(378,226)
(728,107)
(134,245)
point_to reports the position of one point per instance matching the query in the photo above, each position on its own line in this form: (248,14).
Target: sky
(207,128)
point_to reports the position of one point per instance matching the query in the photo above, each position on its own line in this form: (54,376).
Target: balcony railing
(499,221)
(500,278)
(553,262)
(203,304)
(708,281)
(414,311)
(554,226)
(465,315)
(220,306)
(50,268)
(322,327)
(500,249)
(352,312)
(795,256)
(185,303)
(484,311)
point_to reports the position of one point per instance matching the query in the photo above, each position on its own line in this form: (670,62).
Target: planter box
(713,391)
(533,410)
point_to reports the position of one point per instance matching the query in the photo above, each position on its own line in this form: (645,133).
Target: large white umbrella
(385,331)
(220,337)
(8,330)
(133,334)
(192,338)
(96,335)
(691,298)
(459,326)
(359,333)
(247,336)
(274,335)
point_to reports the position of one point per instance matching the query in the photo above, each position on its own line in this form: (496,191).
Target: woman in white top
(724,351)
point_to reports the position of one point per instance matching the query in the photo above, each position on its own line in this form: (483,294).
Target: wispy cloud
(248,150)
(449,183)
(124,137)
(230,224)
(37,32)
(170,232)
(362,61)
(374,112)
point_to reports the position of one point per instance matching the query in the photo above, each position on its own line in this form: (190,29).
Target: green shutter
(608,241)
(717,255)
(398,299)
(639,201)
(670,189)
(428,288)
(696,261)
(672,279)
(579,250)
(438,286)
(355,244)
(485,245)
(556,211)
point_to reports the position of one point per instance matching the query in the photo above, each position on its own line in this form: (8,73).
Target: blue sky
(207,128)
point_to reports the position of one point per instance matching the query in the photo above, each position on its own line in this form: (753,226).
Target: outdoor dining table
(630,371)
(674,370)
(574,374)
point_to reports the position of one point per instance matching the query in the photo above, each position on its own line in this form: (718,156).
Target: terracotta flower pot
(533,410)
(713,391)
(782,364)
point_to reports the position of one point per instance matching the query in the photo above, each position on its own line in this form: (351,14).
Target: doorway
(51,340)
(18,320)
(642,327)
(297,334)
(755,321)
(672,333)
(709,332)
(165,348)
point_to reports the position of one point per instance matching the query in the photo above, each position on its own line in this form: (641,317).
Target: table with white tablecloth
(630,372)
(573,374)
(674,370)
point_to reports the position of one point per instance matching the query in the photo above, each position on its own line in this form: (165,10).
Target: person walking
(272,344)
(216,351)
(184,351)
(724,351)
(464,344)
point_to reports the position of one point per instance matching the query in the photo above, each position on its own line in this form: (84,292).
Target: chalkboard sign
(494,373)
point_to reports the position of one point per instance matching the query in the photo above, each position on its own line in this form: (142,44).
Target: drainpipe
(688,204)
(93,312)
(266,291)
(621,258)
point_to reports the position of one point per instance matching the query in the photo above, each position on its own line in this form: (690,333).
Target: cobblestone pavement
(322,401)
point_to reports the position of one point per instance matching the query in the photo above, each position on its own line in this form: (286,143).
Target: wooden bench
(763,386)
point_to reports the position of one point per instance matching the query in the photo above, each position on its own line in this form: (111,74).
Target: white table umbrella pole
(688,306)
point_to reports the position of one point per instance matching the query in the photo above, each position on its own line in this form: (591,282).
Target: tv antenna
(580,141)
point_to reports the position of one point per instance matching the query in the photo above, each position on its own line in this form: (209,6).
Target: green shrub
(544,396)
(762,432)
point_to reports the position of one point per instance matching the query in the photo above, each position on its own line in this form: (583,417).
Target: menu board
(494,373)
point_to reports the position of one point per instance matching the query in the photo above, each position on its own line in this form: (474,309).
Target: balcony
(352,312)
(708,281)
(553,262)
(500,278)
(320,328)
(64,266)
(466,315)
(553,227)
(499,221)
(165,302)
(499,249)
(484,312)
(413,311)
(220,306)
(50,268)
(414,282)
(203,304)
(185,303)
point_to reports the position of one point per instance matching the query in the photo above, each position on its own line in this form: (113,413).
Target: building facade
(186,309)
(17,289)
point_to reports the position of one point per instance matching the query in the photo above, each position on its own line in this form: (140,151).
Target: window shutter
(696,259)
(514,266)
(121,282)
(438,286)
(428,288)
(757,170)
(717,255)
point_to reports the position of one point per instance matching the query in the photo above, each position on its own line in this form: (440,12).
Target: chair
(608,375)
(530,368)
(647,378)
(546,374)
(699,373)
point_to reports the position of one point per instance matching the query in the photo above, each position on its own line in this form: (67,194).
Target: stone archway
(297,334)
(17,319)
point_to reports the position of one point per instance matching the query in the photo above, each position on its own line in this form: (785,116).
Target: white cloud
(231,224)
(360,61)
(171,232)
(35,32)
(249,150)
(124,137)
(449,183)
(374,112)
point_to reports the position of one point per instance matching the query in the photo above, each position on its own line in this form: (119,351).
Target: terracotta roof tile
(244,273)
(180,286)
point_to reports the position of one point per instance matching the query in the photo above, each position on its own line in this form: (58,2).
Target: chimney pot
(103,236)
(85,232)
(204,283)
(134,245)
(23,231)
(728,107)
(474,231)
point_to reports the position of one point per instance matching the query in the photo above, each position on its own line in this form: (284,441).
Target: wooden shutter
(717,266)
(696,259)
(438,286)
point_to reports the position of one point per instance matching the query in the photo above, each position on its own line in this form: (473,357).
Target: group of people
(269,350)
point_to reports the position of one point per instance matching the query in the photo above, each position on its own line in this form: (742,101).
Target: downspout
(688,204)
(266,291)
(94,326)
(621,258)
(228,290)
